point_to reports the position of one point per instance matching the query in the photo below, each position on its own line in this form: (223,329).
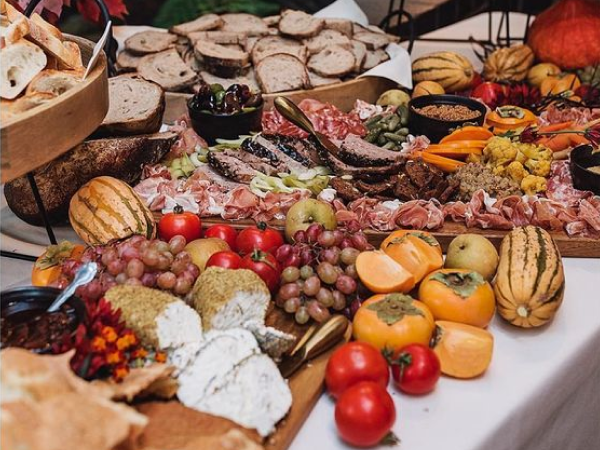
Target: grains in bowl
(448,113)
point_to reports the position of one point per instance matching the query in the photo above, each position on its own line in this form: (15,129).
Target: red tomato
(180,222)
(258,238)
(224,232)
(365,414)
(265,266)
(415,369)
(226,259)
(352,363)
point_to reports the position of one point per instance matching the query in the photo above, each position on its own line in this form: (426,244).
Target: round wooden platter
(342,95)
(44,133)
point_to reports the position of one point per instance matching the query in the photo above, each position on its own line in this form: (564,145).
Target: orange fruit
(381,274)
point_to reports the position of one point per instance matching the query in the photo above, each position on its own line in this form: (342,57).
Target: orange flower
(139,353)
(123,343)
(115,357)
(98,344)
(120,372)
(131,337)
(109,334)
(160,357)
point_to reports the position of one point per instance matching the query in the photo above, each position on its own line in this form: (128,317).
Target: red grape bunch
(138,262)
(319,274)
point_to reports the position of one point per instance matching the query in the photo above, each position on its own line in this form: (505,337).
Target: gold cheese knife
(323,338)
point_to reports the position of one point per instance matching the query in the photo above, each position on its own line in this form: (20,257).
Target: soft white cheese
(243,307)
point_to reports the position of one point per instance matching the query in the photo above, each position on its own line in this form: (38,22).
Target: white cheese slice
(243,307)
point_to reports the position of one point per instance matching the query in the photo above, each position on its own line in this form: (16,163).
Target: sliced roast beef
(422,174)
(231,167)
(358,152)
(368,173)
(373,189)
(301,146)
(264,148)
(258,164)
(345,189)
(404,189)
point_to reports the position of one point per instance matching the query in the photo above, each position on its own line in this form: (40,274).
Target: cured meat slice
(358,152)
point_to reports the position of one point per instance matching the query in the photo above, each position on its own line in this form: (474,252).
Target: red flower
(592,134)
(528,135)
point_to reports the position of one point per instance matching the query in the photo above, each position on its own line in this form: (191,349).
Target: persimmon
(47,268)
(393,321)
(461,144)
(559,84)
(459,295)
(468,133)
(381,274)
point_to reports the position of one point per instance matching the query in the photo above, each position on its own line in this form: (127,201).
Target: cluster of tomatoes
(357,377)
(252,248)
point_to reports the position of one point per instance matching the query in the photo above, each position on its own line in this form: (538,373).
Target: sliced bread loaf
(300,25)
(21,62)
(271,45)
(344,26)
(374,58)
(219,55)
(244,23)
(281,72)
(248,78)
(373,41)
(325,39)
(136,107)
(54,82)
(334,61)
(150,42)
(168,70)
(202,23)
(127,61)
(360,53)
(218,37)
(317,80)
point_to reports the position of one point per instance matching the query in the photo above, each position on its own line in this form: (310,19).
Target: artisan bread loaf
(281,72)
(168,70)
(122,158)
(202,23)
(325,39)
(21,62)
(334,61)
(150,42)
(127,61)
(300,25)
(136,107)
(270,45)
(244,23)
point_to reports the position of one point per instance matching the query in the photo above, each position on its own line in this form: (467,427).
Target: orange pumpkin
(47,268)
(417,251)
(459,295)
(393,321)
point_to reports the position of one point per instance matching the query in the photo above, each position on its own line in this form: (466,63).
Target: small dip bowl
(582,158)
(25,323)
(436,129)
(212,126)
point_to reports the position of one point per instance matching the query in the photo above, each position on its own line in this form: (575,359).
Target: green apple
(473,252)
(306,212)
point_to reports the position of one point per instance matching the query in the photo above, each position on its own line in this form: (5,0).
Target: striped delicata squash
(508,63)
(105,209)
(452,71)
(530,281)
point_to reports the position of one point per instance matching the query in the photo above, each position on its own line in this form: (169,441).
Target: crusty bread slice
(300,25)
(168,70)
(15,31)
(271,45)
(334,61)
(150,41)
(281,72)
(373,41)
(251,42)
(136,107)
(219,55)
(127,61)
(10,109)
(202,23)
(318,80)
(360,53)
(325,39)
(21,62)
(54,82)
(248,78)
(344,26)
(38,20)
(374,58)
(244,23)
(272,21)
(76,56)
(218,37)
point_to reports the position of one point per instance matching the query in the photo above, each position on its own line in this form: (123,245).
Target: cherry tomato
(260,238)
(365,414)
(226,260)
(265,266)
(415,369)
(180,222)
(224,232)
(352,363)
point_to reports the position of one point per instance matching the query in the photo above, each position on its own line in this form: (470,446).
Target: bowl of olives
(217,112)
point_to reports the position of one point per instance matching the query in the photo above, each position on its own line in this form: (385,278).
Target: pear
(473,252)
(393,97)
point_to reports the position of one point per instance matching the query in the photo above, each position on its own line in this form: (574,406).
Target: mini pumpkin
(508,63)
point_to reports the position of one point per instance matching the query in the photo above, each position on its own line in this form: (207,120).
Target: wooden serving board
(342,95)
(577,247)
(44,133)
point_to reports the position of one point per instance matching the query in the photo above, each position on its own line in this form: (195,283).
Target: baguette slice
(272,21)
(15,31)
(11,109)
(374,58)
(360,53)
(249,79)
(128,62)
(219,55)
(327,38)
(244,23)
(202,23)
(21,62)
(218,37)
(54,82)
(150,41)
(168,70)
(334,61)
(317,80)
(300,25)
(281,72)
(271,45)
(373,41)
(136,107)
(344,26)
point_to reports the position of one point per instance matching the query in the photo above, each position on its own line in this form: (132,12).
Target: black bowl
(27,300)
(436,129)
(584,179)
(225,126)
